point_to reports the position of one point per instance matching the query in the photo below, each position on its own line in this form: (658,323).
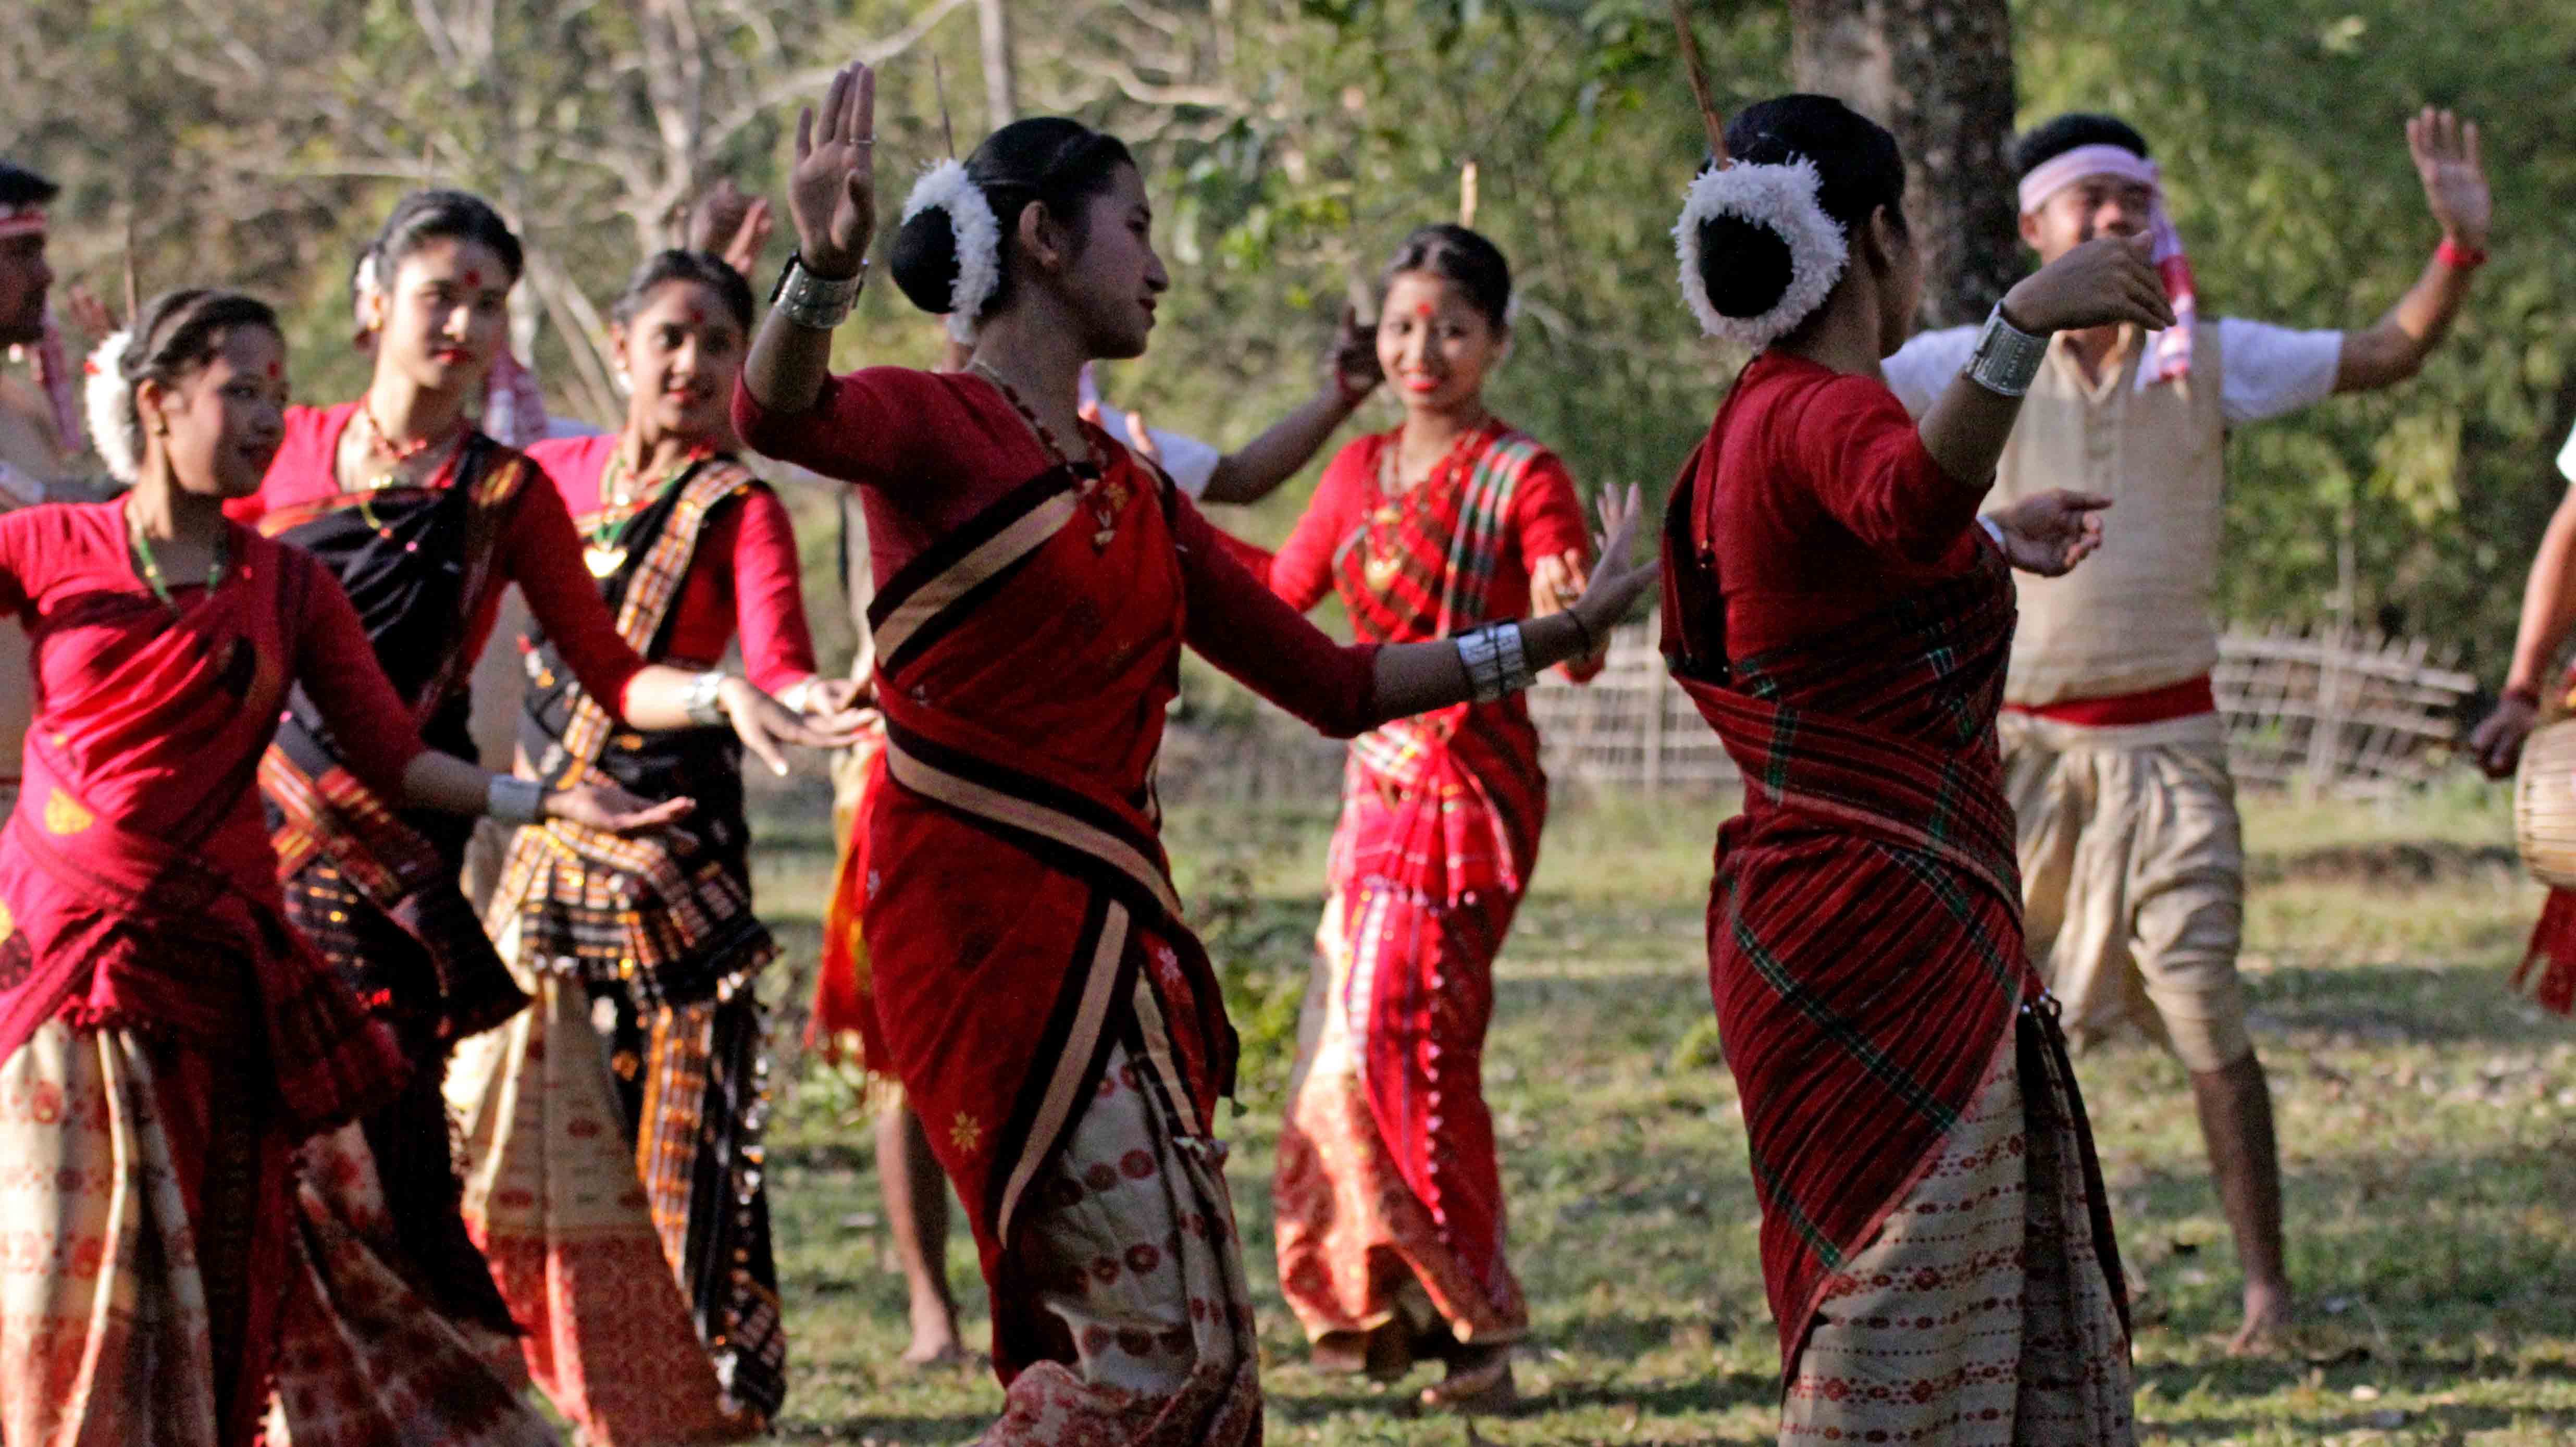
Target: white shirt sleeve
(2567,458)
(1191,463)
(1925,365)
(2271,371)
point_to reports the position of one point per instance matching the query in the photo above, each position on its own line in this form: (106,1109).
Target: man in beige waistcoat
(2132,866)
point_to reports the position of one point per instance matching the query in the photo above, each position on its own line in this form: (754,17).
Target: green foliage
(1292,143)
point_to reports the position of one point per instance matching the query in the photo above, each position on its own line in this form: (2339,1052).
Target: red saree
(1864,929)
(1055,1025)
(147,962)
(1388,1190)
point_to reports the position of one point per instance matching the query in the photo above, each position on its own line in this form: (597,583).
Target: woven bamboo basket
(2544,804)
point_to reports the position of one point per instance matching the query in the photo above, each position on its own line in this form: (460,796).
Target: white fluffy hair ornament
(109,401)
(977,235)
(1782,198)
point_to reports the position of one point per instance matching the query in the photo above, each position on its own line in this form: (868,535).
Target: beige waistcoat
(2138,614)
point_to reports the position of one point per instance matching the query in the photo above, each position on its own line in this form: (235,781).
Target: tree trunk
(1938,73)
(1001,79)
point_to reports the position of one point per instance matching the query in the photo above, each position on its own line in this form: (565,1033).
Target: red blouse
(55,562)
(744,576)
(933,450)
(1826,506)
(1547,520)
(539,551)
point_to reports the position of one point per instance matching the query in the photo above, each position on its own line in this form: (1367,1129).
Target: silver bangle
(2006,358)
(1496,658)
(820,303)
(704,702)
(513,800)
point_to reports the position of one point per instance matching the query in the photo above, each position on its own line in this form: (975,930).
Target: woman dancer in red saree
(600,1159)
(1388,1193)
(1933,1233)
(167,1038)
(1053,1022)
(424,520)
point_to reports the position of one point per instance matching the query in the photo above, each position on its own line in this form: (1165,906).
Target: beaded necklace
(1380,554)
(151,565)
(380,443)
(1105,498)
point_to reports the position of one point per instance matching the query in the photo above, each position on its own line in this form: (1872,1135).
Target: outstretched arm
(2448,161)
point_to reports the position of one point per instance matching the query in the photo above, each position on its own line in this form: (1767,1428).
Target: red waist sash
(111,927)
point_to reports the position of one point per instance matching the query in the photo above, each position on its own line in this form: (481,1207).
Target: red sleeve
(1246,630)
(337,666)
(20,553)
(864,428)
(1868,467)
(1549,513)
(768,590)
(1548,518)
(544,559)
(1302,570)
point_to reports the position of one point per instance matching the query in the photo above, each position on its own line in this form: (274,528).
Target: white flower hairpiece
(978,236)
(107,400)
(1783,198)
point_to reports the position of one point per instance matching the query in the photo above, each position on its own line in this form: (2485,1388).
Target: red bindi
(697,318)
(275,370)
(473,278)
(1422,309)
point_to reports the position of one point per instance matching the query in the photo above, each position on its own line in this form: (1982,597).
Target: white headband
(2068,167)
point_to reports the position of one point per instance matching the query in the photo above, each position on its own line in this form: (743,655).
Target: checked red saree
(1054,1024)
(1388,1192)
(1934,1242)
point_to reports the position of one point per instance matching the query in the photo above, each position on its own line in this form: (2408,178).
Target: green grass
(2428,1122)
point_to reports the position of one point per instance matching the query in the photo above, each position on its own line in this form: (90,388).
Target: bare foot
(1479,1380)
(934,1337)
(2268,1309)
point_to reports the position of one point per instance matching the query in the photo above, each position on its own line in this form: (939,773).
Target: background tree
(1938,73)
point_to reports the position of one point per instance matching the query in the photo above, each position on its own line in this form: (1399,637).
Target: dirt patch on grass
(2400,864)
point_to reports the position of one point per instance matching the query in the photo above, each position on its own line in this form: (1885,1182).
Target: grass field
(2427,1118)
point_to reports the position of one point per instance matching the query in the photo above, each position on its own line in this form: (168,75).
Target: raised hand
(2050,532)
(731,225)
(1352,365)
(1618,580)
(832,192)
(2454,173)
(2104,282)
(613,810)
(88,313)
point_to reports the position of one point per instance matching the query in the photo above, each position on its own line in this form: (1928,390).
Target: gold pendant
(1381,570)
(603,562)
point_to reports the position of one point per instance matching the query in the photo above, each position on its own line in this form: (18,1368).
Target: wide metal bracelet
(814,301)
(704,701)
(1482,656)
(1513,643)
(514,800)
(2006,358)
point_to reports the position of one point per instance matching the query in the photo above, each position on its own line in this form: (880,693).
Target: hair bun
(1745,265)
(924,260)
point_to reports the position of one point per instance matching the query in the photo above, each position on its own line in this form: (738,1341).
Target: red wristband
(2459,258)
